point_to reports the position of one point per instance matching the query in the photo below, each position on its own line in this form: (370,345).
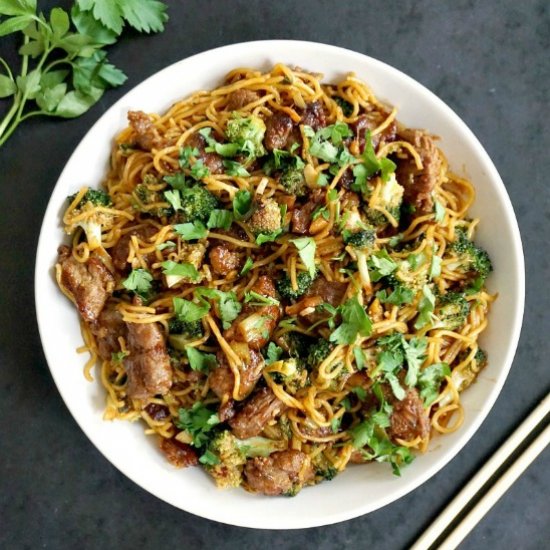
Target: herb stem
(7,119)
(7,67)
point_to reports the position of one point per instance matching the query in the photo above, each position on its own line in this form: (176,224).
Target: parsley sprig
(64,68)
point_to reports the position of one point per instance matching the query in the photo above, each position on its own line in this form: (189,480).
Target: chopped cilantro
(425,308)
(430,379)
(306,249)
(247,266)
(197,422)
(189,311)
(220,218)
(200,361)
(242,203)
(191,231)
(273,353)
(355,321)
(139,281)
(184,269)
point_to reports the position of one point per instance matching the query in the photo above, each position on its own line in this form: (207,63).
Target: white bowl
(360,489)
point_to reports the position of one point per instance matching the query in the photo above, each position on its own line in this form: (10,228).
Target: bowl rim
(518,264)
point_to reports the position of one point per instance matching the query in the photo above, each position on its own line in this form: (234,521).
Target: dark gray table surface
(489,61)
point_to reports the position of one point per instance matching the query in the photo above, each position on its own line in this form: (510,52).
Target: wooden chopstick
(477,484)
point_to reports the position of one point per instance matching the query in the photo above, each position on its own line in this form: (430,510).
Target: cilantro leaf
(184,269)
(233,168)
(273,353)
(197,421)
(306,249)
(139,281)
(425,308)
(429,381)
(191,231)
(228,303)
(439,212)
(174,198)
(400,295)
(360,359)
(247,266)
(144,15)
(355,321)
(199,361)
(189,312)
(268,237)
(435,266)
(220,218)
(414,349)
(380,265)
(242,203)
(209,458)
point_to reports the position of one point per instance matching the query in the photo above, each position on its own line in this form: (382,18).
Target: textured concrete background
(489,62)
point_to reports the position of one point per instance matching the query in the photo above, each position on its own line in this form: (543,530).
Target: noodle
(313,189)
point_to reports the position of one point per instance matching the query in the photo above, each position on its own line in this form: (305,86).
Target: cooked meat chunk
(278,129)
(419,184)
(148,365)
(314,116)
(107,328)
(364,124)
(301,218)
(255,324)
(121,250)
(240,98)
(332,292)
(90,283)
(301,214)
(157,412)
(222,379)
(212,161)
(260,409)
(223,260)
(282,472)
(227,411)
(408,419)
(147,136)
(180,455)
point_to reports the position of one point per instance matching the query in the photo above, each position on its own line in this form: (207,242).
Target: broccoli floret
(464,377)
(412,278)
(363,238)
(150,202)
(248,132)
(232,453)
(324,468)
(94,221)
(389,198)
(192,329)
(362,242)
(95,196)
(318,352)
(452,311)
(284,286)
(292,179)
(298,344)
(471,259)
(480,358)
(291,373)
(266,218)
(346,106)
(197,203)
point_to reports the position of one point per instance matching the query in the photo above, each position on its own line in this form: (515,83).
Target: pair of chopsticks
(457,521)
